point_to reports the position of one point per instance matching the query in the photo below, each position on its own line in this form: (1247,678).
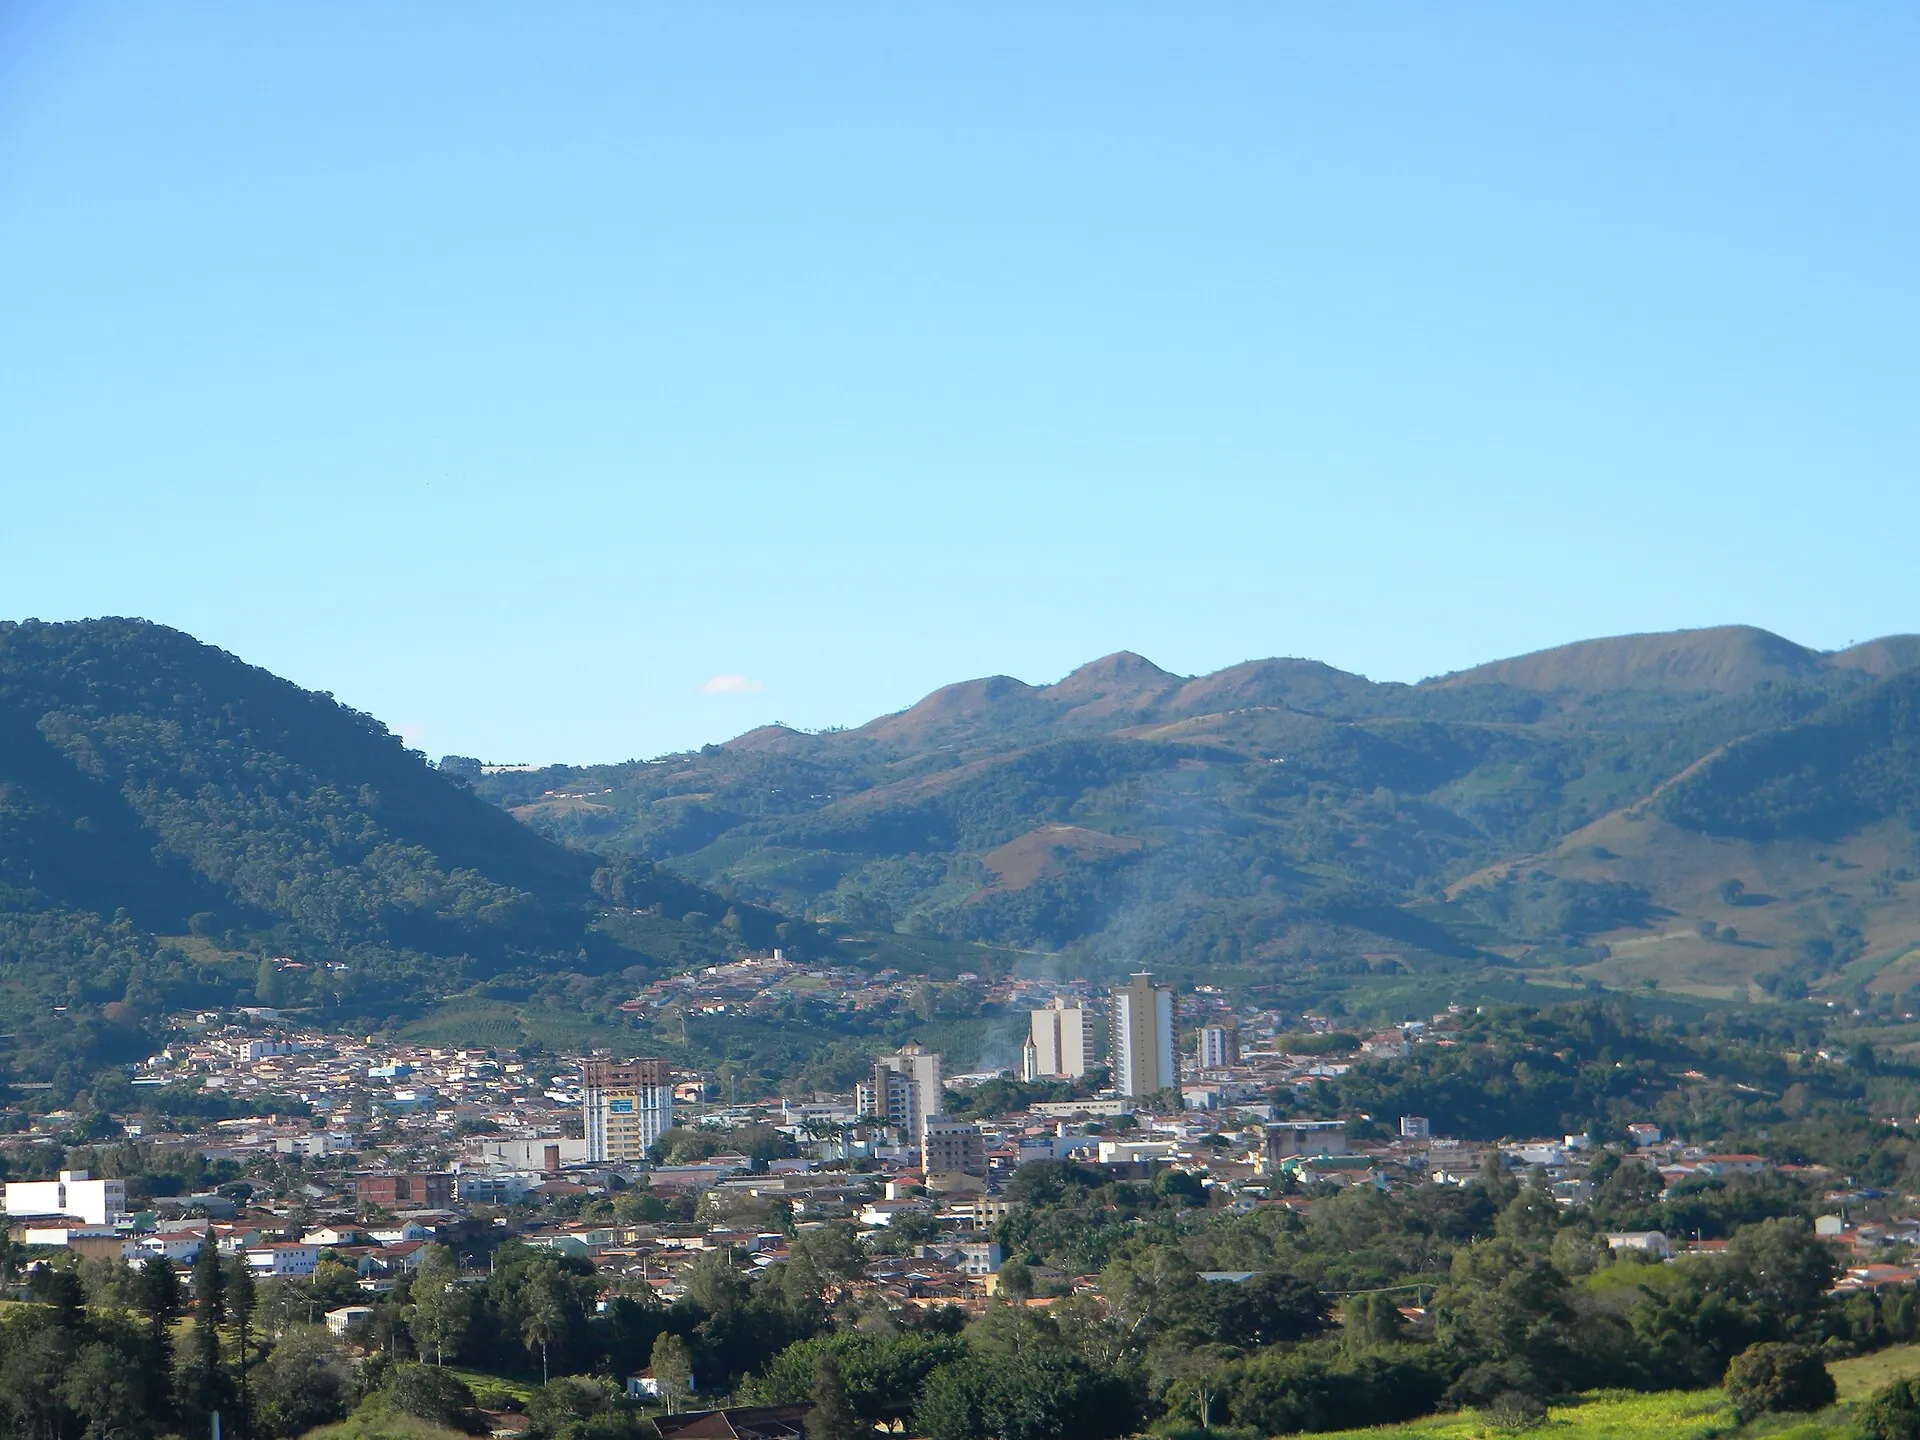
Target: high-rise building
(627,1105)
(1062,1037)
(905,1089)
(953,1147)
(1219,1046)
(1142,1048)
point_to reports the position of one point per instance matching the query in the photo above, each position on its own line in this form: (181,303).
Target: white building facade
(1062,1038)
(75,1196)
(1142,1048)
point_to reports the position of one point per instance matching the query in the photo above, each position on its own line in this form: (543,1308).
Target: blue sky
(513,372)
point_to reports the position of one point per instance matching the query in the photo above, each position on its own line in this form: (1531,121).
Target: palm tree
(544,1313)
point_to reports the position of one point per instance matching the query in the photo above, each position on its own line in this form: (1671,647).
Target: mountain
(1277,813)
(1726,660)
(171,818)
(1783,862)
(1714,813)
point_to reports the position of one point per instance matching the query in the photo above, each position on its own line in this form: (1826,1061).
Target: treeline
(1742,1080)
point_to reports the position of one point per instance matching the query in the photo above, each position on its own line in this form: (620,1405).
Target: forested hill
(171,817)
(1276,811)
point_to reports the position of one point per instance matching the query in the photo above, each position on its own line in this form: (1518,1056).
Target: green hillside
(173,822)
(170,818)
(1279,811)
(1785,862)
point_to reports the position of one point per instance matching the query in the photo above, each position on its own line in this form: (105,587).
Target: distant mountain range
(1718,813)
(1286,813)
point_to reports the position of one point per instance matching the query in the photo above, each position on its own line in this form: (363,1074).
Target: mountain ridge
(1266,813)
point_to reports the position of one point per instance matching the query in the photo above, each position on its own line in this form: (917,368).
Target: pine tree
(240,1302)
(203,1382)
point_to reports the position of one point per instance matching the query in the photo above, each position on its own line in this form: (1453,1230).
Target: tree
(306,1381)
(1266,1309)
(1016,1281)
(819,1262)
(268,987)
(240,1306)
(1784,1269)
(543,1309)
(1768,1378)
(104,1391)
(156,1295)
(441,1309)
(427,1392)
(672,1370)
(832,1416)
(1195,1369)
(203,1382)
(1370,1321)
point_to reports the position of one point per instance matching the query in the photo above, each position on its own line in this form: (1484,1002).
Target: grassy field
(1603,1415)
(478,1381)
(1864,1374)
(373,1423)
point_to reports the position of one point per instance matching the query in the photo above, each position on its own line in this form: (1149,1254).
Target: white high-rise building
(1219,1046)
(1062,1037)
(1142,1023)
(626,1106)
(905,1089)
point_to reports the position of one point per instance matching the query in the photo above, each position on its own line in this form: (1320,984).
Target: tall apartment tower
(905,1089)
(1219,1046)
(627,1104)
(1142,1022)
(1062,1039)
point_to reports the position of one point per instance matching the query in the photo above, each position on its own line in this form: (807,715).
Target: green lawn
(478,1380)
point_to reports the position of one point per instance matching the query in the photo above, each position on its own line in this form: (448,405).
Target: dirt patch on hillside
(1041,854)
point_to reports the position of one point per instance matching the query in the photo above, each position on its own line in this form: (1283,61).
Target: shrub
(427,1392)
(1893,1412)
(1513,1410)
(1768,1378)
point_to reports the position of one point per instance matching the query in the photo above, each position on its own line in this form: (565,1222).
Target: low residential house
(349,1318)
(969,1257)
(1651,1242)
(180,1246)
(328,1236)
(1860,1279)
(641,1385)
(881,1212)
(282,1261)
(401,1234)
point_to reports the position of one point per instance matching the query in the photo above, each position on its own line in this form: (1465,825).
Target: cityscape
(858,722)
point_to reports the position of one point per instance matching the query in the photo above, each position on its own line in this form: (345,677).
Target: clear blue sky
(514,371)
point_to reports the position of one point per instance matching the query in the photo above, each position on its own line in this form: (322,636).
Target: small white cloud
(731,685)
